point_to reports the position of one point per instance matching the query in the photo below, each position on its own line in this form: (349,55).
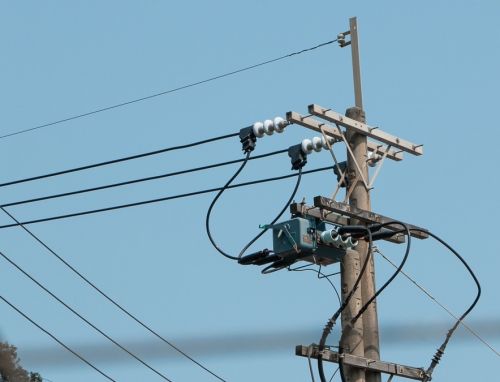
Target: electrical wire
(110,299)
(56,339)
(212,204)
(183,87)
(441,305)
(440,351)
(41,286)
(393,276)
(285,207)
(139,180)
(331,322)
(318,273)
(118,160)
(334,374)
(144,202)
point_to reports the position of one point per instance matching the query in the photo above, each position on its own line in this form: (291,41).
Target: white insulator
(268,127)
(307,146)
(317,144)
(330,140)
(329,237)
(280,124)
(351,243)
(258,129)
(373,159)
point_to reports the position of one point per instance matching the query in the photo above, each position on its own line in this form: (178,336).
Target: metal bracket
(398,370)
(332,131)
(362,128)
(363,215)
(301,209)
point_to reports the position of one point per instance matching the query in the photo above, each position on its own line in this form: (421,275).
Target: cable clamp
(247,139)
(297,156)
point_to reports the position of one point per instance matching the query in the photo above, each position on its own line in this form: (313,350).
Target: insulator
(280,124)
(330,140)
(258,129)
(317,144)
(307,146)
(268,127)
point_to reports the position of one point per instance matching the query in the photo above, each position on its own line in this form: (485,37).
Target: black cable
(118,160)
(108,298)
(393,276)
(440,351)
(331,322)
(285,207)
(83,318)
(56,339)
(178,196)
(190,85)
(140,180)
(209,211)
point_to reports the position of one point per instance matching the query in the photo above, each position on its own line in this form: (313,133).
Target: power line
(183,87)
(40,285)
(139,180)
(178,196)
(56,339)
(108,298)
(118,160)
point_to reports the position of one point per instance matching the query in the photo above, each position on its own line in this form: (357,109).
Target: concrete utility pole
(360,198)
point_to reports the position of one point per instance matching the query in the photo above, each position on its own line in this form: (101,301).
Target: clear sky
(430,75)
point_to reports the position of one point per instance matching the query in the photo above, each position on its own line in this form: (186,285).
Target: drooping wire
(393,276)
(331,322)
(440,351)
(212,204)
(285,207)
(381,289)
(183,87)
(163,199)
(109,338)
(110,299)
(25,316)
(140,180)
(118,160)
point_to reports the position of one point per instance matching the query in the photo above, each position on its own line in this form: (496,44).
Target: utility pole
(359,352)
(360,198)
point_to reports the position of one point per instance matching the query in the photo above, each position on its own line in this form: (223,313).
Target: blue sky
(430,75)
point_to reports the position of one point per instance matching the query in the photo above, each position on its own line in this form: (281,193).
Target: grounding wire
(56,339)
(285,207)
(331,322)
(139,180)
(118,160)
(212,204)
(145,202)
(186,86)
(110,299)
(40,285)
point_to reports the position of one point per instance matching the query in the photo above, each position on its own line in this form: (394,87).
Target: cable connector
(248,139)
(253,258)
(298,156)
